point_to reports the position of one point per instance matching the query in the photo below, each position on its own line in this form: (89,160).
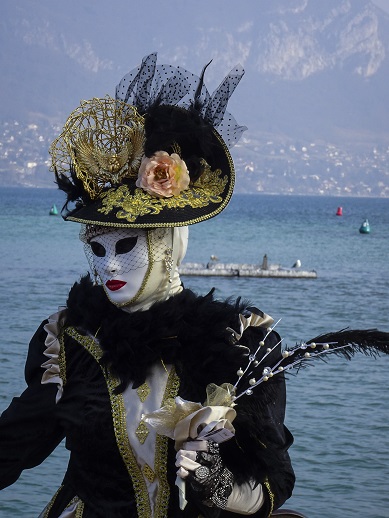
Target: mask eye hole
(97,249)
(123,246)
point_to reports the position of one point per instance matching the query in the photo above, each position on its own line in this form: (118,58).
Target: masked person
(137,372)
(137,171)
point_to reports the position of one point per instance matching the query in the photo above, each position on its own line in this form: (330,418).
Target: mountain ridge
(314,71)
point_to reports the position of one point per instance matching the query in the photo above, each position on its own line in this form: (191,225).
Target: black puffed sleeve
(29,428)
(213,350)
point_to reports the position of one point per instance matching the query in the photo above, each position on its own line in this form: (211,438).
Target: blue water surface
(338,411)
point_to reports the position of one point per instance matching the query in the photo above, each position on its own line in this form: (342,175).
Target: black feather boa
(187,330)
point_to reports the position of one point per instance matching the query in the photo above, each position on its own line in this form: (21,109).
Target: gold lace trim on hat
(119,421)
(207,189)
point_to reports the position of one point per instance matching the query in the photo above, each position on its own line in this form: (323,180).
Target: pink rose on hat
(163,175)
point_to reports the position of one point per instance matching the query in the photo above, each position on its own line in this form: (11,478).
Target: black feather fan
(350,341)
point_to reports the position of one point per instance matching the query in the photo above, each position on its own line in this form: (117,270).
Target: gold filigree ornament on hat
(103,141)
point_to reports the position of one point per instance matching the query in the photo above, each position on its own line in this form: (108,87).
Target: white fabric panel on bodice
(145,453)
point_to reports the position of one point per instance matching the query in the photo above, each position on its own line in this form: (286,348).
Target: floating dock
(244,270)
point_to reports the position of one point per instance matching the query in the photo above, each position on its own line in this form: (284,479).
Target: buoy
(339,212)
(53,210)
(365,227)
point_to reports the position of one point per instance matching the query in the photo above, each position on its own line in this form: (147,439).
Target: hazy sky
(384,4)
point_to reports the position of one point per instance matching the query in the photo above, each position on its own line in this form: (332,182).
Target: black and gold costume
(104,351)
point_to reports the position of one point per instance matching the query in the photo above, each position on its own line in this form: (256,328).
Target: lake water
(337,411)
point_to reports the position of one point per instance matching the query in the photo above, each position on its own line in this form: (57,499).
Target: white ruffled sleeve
(52,368)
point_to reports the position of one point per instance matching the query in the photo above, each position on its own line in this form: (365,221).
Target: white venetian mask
(136,267)
(121,261)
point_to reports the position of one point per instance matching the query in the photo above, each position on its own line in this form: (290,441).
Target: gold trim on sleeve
(47,509)
(80,509)
(271,495)
(62,359)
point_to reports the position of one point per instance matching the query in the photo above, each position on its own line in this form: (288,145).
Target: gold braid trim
(62,358)
(271,495)
(79,510)
(161,450)
(120,428)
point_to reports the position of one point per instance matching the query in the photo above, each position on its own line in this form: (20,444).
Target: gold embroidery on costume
(142,432)
(148,473)
(120,428)
(207,189)
(62,359)
(119,422)
(79,510)
(161,450)
(271,495)
(143,391)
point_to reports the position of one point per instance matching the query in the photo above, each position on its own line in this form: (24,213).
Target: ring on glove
(202,473)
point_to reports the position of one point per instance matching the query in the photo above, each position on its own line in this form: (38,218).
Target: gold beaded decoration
(148,473)
(143,391)
(79,510)
(142,432)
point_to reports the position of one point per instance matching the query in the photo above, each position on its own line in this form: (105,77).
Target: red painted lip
(115,285)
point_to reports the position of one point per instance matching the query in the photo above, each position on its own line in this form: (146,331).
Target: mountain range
(316,80)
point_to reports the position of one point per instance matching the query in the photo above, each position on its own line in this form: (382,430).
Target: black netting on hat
(150,85)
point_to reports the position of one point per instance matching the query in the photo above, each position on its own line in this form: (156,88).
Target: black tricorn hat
(157,155)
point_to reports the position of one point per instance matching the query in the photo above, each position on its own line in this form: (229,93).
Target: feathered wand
(345,343)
